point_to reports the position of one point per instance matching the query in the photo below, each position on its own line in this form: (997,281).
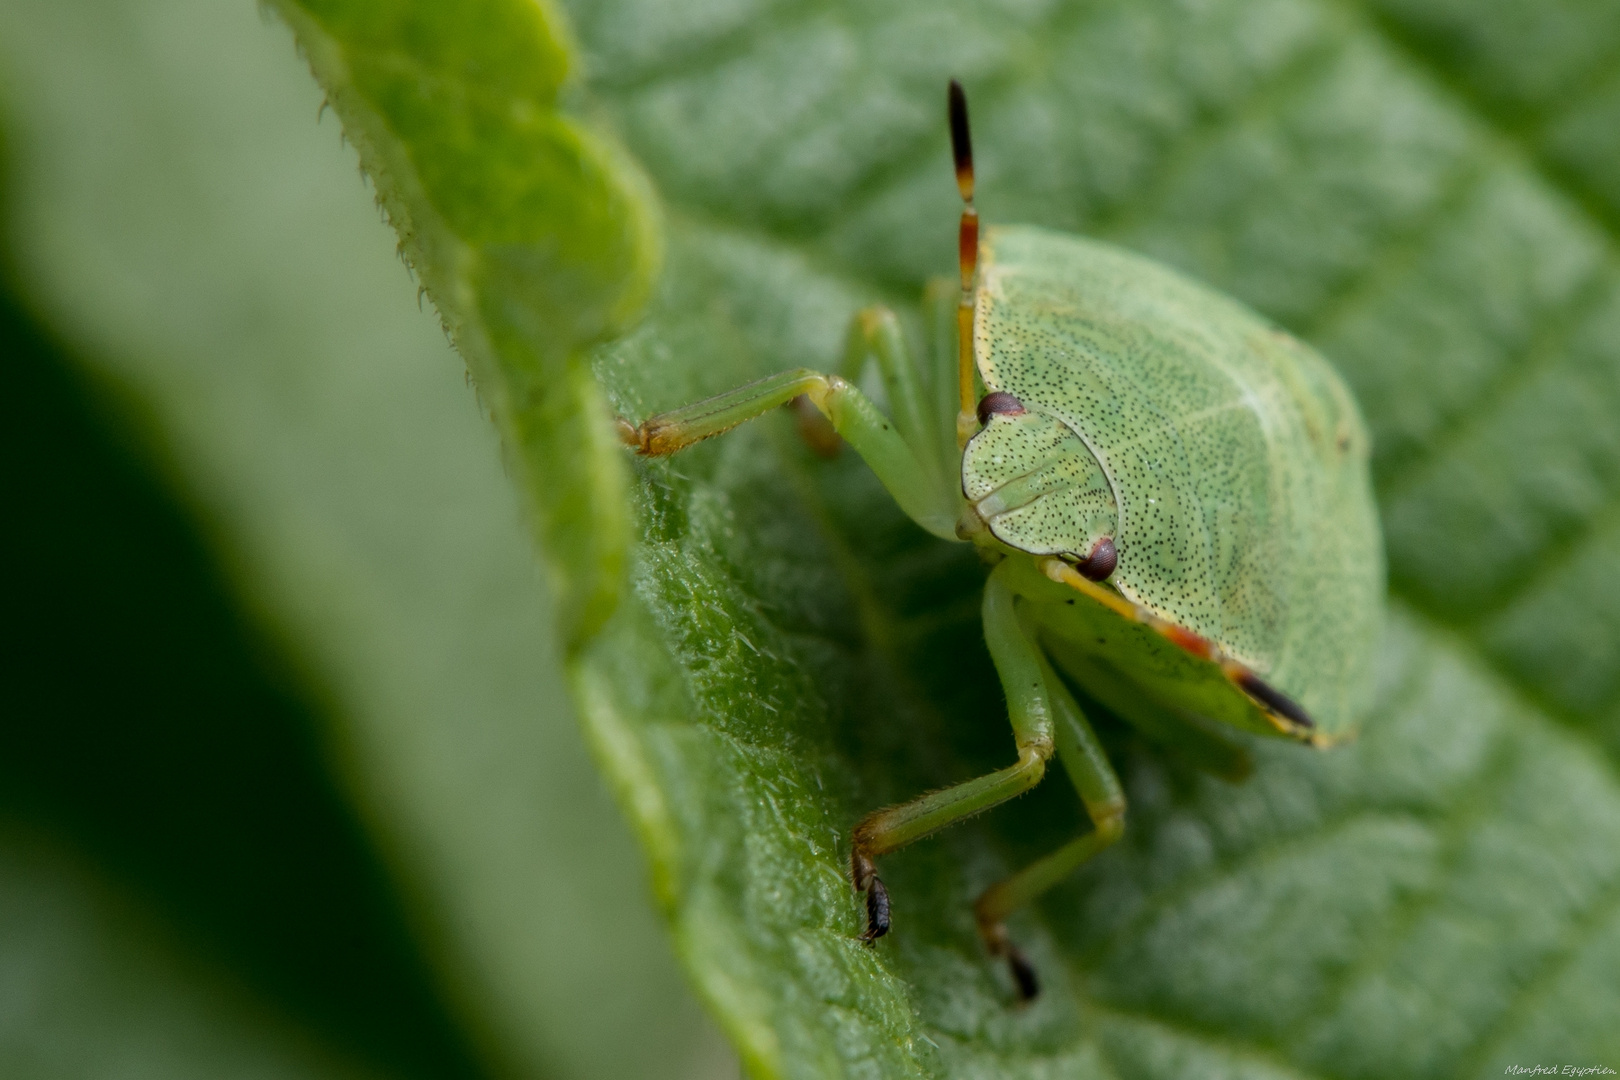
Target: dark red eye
(1104,557)
(998,401)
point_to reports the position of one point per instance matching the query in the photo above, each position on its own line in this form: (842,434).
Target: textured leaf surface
(1425,191)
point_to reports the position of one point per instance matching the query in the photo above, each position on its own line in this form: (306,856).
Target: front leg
(851,413)
(1029,708)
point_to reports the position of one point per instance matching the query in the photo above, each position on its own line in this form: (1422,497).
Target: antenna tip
(961,141)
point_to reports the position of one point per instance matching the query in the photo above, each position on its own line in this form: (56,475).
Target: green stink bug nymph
(1174,495)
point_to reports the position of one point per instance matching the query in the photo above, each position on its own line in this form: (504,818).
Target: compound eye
(1104,557)
(998,402)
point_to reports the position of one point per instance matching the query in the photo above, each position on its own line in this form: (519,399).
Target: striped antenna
(967,251)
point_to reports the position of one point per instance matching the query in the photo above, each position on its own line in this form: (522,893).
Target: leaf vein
(1582,926)
(1544,353)
(1470,806)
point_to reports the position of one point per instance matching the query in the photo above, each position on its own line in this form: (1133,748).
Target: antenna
(967,253)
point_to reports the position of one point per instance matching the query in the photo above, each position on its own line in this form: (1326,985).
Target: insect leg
(1182,735)
(1099,789)
(669,432)
(852,414)
(939,304)
(875,333)
(1030,711)
(1285,714)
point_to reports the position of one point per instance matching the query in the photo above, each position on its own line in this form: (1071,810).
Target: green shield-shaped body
(1226,459)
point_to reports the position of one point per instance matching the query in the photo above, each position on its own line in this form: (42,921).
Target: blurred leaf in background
(288,780)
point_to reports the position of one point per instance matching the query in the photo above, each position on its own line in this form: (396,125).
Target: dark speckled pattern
(1037,485)
(1237,457)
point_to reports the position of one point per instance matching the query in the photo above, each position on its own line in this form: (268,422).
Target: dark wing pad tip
(1275,700)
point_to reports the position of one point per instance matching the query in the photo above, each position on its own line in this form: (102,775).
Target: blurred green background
(288,784)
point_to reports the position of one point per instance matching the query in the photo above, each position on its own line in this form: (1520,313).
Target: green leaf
(96,986)
(533,236)
(135,697)
(363,734)
(1442,898)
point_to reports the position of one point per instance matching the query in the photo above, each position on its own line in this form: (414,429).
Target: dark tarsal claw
(1023,974)
(864,877)
(877,911)
(995,938)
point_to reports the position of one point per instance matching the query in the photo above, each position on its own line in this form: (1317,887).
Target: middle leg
(874,335)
